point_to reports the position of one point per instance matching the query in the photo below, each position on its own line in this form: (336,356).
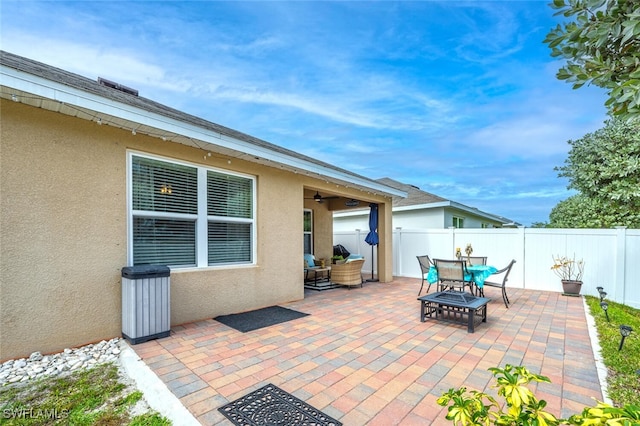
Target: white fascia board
(423,206)
(477,212)
(395,209)
(452,204)
(49,89)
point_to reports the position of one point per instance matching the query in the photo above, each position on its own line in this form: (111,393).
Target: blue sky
(456,97)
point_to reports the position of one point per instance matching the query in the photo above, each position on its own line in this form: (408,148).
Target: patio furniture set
(453,277)
(451,302)
(321,277)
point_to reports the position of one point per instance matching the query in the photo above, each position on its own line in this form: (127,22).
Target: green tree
(604,167)
(579,211)
(602,47)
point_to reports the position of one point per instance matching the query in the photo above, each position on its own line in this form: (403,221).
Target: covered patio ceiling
(335,201)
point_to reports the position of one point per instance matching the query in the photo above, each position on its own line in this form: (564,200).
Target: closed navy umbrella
(372,237)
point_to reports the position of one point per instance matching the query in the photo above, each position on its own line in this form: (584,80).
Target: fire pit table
(454,306)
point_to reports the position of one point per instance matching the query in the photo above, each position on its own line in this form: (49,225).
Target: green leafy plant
(604,414)
(600,46)
(523,408)
(604,167)
(478,408)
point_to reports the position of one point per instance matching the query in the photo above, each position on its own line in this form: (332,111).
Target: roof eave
(440,204)
(165,127)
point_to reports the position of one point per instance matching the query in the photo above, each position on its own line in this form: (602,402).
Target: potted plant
(570,272)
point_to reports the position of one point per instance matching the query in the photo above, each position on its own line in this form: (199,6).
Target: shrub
(473,408)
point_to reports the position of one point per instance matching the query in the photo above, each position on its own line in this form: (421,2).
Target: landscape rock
(37,365)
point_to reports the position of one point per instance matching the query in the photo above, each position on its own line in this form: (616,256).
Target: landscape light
(605,306)
(599,289)
(603,294)
(625,331)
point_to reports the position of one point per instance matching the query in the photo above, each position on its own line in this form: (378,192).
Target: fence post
(523,253)
(452,235)
(397,253)
(619,268)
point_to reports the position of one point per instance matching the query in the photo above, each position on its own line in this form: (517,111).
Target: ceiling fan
(319,198)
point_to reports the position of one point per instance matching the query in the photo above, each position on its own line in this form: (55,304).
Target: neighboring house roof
(415,195)
(54,89)
(418,199)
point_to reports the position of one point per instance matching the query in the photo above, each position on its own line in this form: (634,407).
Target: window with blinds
(189,216)
(230,210)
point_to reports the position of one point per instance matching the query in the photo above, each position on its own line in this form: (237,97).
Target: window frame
(201,218)
(310,232)
(457,222)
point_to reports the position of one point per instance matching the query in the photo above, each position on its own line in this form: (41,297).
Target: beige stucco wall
(63,223)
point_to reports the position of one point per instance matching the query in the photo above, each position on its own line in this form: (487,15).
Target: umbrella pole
(372,265)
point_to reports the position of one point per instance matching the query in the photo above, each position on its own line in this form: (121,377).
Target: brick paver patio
(363,357)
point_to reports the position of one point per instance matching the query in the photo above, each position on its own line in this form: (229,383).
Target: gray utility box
(146,302)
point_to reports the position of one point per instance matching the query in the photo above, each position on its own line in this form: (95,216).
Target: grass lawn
(97,396)
(623,365)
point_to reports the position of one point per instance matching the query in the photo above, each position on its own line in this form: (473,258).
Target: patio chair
(451,274)
(319,273)
(502,285)
(348,273)
(425,264)
(476,260)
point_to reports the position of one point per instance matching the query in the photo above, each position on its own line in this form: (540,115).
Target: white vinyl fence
(611,256)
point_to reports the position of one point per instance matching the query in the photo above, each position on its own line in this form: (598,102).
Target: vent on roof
(117,86)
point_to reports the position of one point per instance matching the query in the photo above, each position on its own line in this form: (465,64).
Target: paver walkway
(363,357)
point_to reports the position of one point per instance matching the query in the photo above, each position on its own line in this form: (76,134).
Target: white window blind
(164,242)
(230,210)
(159,186)
(229,195)
(167,204)
(229,243)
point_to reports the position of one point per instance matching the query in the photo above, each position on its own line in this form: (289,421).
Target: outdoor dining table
(473,273)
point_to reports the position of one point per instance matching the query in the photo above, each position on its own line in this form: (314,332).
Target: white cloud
(121,65)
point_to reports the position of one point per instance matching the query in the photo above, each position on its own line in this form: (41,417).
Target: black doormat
(270,406)
(253,320)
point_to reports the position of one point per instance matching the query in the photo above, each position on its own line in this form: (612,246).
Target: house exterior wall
(412,219)
(432,218)
(63,225)
(470,220)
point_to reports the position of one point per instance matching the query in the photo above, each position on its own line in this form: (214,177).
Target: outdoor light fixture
(605,306)
(625,331)
(603,294)
(599,289)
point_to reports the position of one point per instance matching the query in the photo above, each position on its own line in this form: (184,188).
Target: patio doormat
(270,406)
(260,318)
